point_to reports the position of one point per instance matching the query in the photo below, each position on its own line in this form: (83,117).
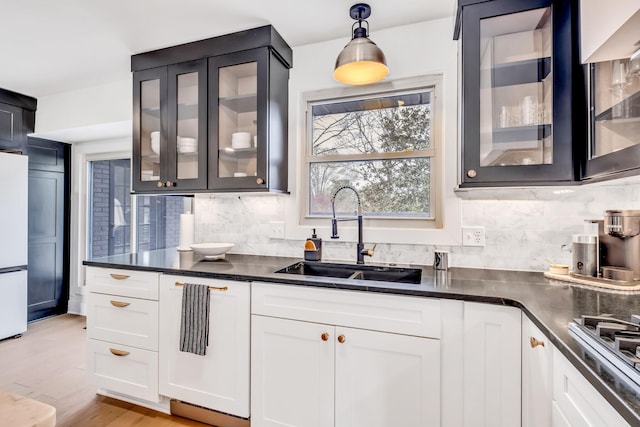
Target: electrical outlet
(277,230)
(472,236)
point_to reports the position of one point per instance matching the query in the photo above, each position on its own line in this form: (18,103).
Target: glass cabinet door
(615,106)
(237,99)
(520,87)
(149,138)
(187,135)
(237,120)
(516,89)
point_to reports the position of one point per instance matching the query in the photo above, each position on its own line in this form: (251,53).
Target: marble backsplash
(525,228)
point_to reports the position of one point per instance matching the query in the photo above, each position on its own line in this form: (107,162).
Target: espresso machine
(619,242)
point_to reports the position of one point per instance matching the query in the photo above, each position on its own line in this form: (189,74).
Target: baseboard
(205,415)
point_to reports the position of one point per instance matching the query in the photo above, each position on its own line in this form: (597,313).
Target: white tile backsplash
(524,228)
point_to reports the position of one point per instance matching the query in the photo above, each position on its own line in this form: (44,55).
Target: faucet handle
(370,252)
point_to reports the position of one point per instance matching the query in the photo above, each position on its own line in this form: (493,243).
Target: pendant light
(361,61)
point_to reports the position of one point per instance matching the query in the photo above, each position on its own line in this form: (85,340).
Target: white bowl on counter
(212,251)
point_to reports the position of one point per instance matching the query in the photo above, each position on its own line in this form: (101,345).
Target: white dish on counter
(212,251)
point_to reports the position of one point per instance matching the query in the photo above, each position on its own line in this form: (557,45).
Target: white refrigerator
(14,170)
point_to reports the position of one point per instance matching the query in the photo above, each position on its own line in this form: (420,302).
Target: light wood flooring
(48,364)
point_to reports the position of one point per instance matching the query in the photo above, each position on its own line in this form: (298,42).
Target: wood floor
(48,364)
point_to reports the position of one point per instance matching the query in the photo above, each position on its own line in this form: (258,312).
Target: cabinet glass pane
(150,130)
(615,106)
(237,119)
(187,126)
(516,89)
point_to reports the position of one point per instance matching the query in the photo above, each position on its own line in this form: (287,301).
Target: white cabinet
(341,373)
(537,364)
(608,32)
(220,379)
(576,402)
(122,331)
(292,368)
(491,365)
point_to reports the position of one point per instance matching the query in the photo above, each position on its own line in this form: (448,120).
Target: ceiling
(50,47)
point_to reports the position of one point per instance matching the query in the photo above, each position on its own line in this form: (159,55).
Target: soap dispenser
(313,248)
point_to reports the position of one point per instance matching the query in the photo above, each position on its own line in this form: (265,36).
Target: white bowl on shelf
(212,251)
(187,145)
(240,140)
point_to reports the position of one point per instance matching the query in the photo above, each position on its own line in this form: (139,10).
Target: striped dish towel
(194,323)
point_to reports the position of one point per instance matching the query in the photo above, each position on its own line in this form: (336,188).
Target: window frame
(432,83)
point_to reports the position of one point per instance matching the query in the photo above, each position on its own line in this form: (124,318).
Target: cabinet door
(149,129)
(384,379)
(517,92)
(238,147)
(537,360)
(11,136)
(292,368)
(491,365)
(576,402)
(220,379)
(186,157)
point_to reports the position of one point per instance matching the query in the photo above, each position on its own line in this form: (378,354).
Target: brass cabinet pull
(119,304)
(169,184)
(118,353)
(259,181)
(471,173)
(534,342)
(118,276)
(324,336)
(214,288)
(160,184)
(341,339)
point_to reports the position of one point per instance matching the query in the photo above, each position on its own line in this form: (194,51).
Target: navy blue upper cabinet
(212,115)
(523,103)
(17,119)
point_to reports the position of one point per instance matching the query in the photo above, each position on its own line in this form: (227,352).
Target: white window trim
(449,234)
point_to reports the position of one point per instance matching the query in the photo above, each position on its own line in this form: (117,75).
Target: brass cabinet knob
(259,181)
(341,339)
(169,184)
(471,173)
(534,342)
(324,336)
(160,184)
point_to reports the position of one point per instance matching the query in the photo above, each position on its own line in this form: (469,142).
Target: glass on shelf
(238,120)
(150,138)
(516,89)
(615,106)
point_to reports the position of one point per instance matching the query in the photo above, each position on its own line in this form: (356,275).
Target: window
(112,210)
(384,144)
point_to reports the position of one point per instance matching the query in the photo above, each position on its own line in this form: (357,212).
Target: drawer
(123,369)
(375,311)
(128,283)
(123,320)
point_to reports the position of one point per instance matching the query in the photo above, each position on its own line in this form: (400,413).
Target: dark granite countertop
(549,304)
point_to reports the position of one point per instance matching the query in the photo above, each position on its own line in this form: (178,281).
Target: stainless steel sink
(351,271)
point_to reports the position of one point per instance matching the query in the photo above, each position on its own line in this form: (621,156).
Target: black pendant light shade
(361,61)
